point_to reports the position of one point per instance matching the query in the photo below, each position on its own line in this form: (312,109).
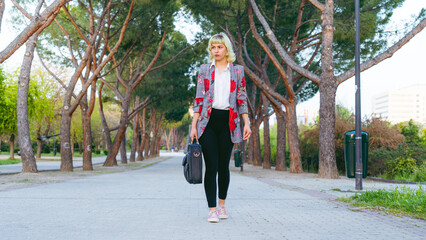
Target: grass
(9,161)
(400,201)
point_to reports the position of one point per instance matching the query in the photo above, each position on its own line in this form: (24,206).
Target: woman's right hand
(193,134)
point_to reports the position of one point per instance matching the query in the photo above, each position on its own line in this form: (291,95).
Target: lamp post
(358,150)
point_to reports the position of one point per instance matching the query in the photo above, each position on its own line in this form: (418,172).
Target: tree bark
(123,150)
(266,135)
(87,135)
(327,119)
(280,162)
(125,104)
(134,142)
(27,154)
(293,139)
(142,134)
(12,146)
(257,158)
(105,128)
(65,137)
(39,143)
(135,135)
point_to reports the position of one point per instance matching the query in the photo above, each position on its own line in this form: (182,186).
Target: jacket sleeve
(241,93)
(199,96)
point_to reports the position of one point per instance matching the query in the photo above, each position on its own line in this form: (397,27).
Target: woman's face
(219,51)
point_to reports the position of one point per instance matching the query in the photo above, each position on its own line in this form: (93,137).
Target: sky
(405,68)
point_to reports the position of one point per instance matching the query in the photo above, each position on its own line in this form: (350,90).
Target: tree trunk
(39,148)
(111,158)
(105,128)
(87,135)
(134,142)
(142,134)
(293,139)
(327,153)
(12,146)
(66,151)
(257,158)
(123,150)
(266,135)
(27,154)
(135,135)
(39,143)
(146,143)
(280,162)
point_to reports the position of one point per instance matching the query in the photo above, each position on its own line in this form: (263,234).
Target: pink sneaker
(213,217)
(222,213)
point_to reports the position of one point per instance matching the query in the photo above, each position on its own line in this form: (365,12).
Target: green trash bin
(237,157)
(350,153)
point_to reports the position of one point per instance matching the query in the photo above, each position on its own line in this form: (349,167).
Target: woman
(221,98)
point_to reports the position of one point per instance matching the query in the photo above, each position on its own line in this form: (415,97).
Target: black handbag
(193,164)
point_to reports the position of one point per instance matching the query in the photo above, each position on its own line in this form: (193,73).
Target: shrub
(105,151)
(378,158)
(98,151)
(419,174)
(401,167)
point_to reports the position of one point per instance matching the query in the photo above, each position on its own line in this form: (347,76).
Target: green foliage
(272,141)
(419,174)
(9,161)
(401,200)
(378,157)
(401,166)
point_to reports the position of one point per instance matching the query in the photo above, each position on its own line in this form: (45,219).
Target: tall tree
(139,55)
(327,79)
(89,51)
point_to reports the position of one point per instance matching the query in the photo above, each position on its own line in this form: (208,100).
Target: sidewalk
(155,202)
(47,165)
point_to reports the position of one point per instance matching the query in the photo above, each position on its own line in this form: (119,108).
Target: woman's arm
(247,130)
(198,104)
(194,127)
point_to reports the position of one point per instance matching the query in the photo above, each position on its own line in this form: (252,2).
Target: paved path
(156,203)
(48,165)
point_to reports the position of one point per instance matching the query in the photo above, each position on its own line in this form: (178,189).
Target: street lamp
(358,153)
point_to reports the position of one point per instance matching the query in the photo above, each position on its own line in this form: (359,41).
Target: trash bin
(237,157)
(350,153)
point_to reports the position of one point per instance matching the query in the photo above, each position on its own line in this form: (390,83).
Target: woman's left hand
(247,132)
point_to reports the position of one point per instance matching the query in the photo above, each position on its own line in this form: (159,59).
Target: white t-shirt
(222,87)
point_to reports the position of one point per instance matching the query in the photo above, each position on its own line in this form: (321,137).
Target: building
(401,105)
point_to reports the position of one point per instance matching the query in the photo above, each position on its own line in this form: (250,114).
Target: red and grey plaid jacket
(237,99)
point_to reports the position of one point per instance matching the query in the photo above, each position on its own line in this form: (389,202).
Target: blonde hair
(221,38)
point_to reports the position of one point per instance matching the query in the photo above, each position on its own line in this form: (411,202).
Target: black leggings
(217,148)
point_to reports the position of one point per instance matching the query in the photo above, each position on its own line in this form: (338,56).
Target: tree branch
(386,54)
(174,57)
(136,109)
(22,10)
(318,5)
(283,54)
(75,24)
(33,27)
(154,59)
(102,65)
(53,74)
